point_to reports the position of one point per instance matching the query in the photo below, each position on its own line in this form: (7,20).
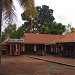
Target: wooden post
(45,48)
(19,49)
(10,49)
(56,49)
(6,49)
(51,49)
(62,49)
(16,47)
(23,47)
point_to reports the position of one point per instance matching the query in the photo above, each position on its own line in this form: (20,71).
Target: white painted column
(51,48)
(34,47)
(16,52)
(16,48)
(23,47)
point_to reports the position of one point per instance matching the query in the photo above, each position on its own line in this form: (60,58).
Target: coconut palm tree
(31,12)
(7,12)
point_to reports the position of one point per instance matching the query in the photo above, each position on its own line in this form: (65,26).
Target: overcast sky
(64,10)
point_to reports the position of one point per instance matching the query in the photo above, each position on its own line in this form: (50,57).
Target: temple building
(67,44)
(32,43)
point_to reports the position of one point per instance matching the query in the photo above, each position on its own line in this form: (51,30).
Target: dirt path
(23,65)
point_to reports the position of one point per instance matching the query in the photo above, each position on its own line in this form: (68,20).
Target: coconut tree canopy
(8,9)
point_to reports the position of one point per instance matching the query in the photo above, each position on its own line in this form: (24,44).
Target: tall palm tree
(7,12)
(30,11)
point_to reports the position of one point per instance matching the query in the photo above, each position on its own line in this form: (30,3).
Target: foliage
(73,29)
(30,15)
(20,31)
(56,28)
(29,7)
(52,28)
(45,15)
(44,29)
(10,31)
(45,23)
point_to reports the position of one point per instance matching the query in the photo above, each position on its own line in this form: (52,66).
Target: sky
(64,11)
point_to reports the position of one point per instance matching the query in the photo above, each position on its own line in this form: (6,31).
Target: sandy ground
(23,65)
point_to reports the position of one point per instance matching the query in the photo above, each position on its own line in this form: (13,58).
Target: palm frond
(29,7)
(9,11)
(23,3)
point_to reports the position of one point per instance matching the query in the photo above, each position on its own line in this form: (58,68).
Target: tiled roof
(70,37)
(58,39)
(31,38)
(5,41)
(8,40)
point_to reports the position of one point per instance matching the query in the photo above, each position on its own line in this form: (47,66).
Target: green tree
(9,30)
(20,31)
(52,28)
(44,29)
(45,23)
(30,16)
(56,28)
(45,15)
(72,29)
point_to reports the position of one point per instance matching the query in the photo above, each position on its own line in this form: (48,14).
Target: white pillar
(23,47)
(16,47)
(17,50)
(34,47)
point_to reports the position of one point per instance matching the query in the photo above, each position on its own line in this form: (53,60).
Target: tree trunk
(31,26)
(0,30)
